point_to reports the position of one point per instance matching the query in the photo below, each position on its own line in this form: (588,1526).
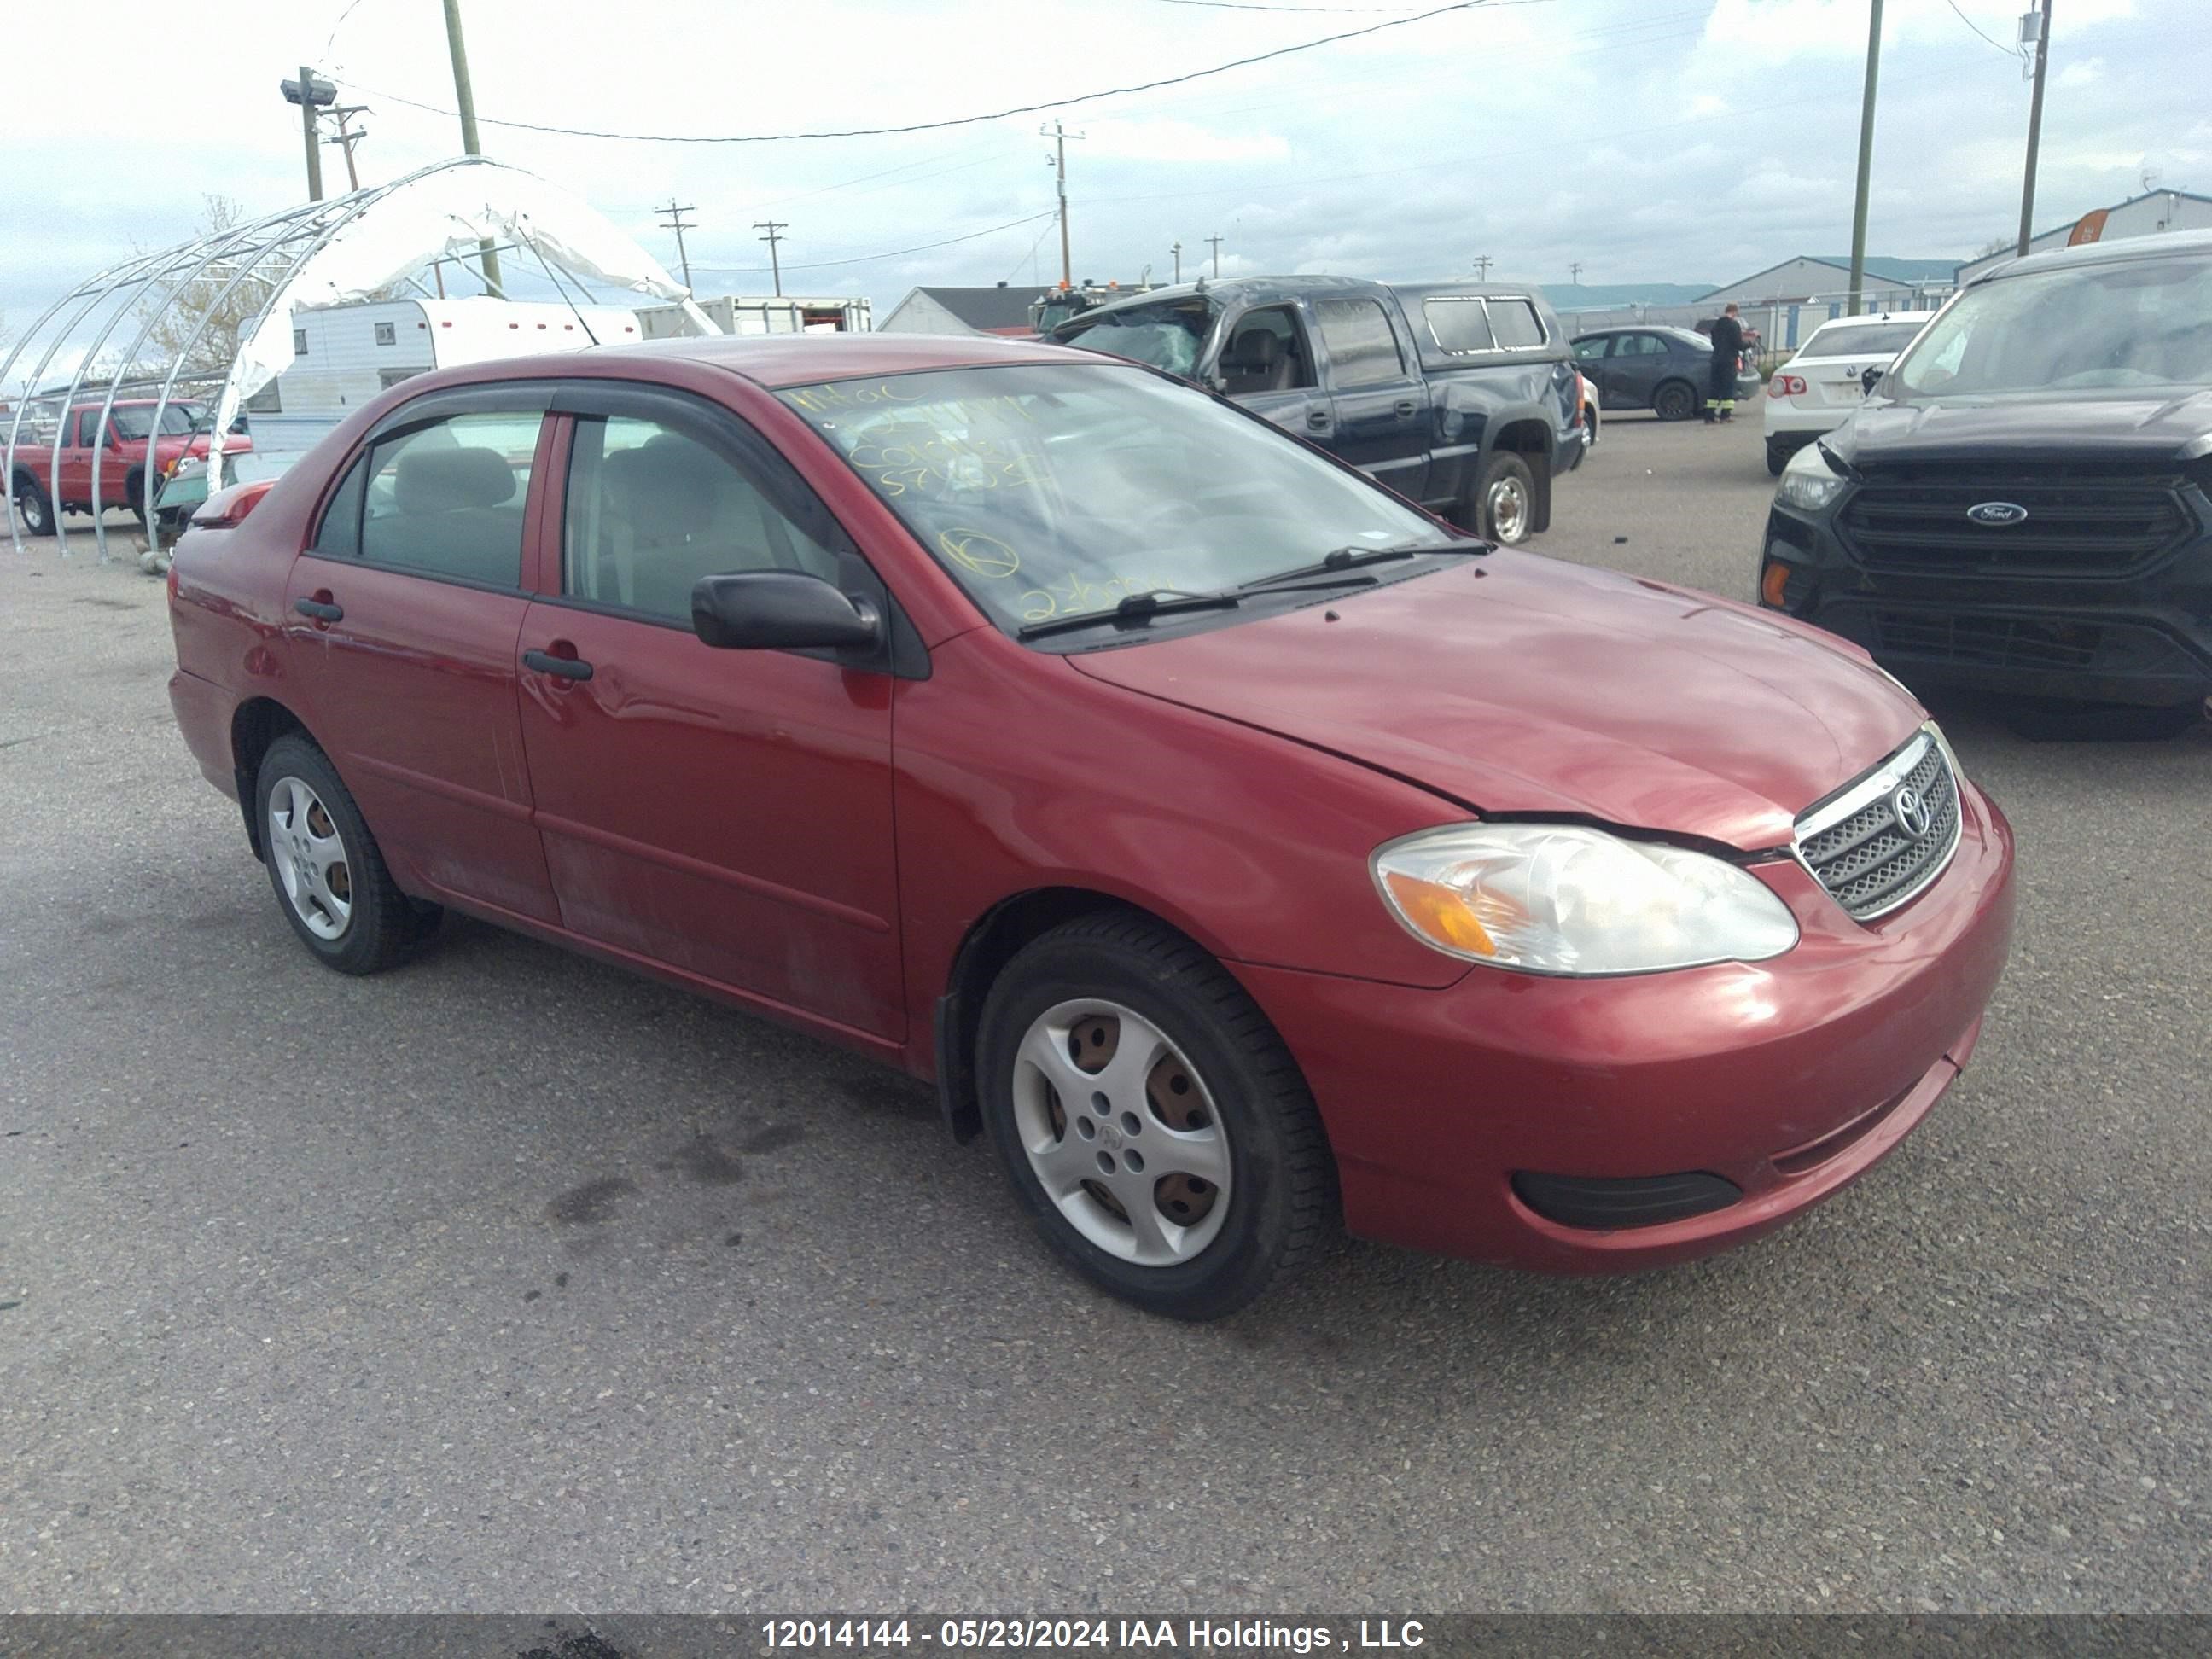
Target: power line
(962,120)
(1970,24)
(889,253)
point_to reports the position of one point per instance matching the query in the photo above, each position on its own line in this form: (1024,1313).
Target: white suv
(1816,390)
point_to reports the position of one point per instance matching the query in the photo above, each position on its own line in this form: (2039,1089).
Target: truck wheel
(1675,400)
(1505,504)
(134,497)
(37,509)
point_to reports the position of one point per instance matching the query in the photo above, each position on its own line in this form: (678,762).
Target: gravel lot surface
(508,1282)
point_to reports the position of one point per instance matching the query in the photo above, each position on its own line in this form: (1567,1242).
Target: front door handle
(1317,419)
(566,668)
(1404,406)
(320,609)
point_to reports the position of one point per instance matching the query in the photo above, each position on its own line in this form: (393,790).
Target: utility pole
(347,139)
(1058,159)
(1177,251)
(2034,124)
(676,221)
(1866,158)
(1482,264)
(465,97)
(1574,273)
(1216,242)
(305,99)
(775,227)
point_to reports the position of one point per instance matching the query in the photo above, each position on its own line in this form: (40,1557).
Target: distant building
(1786,302)
(999,310)
(2139,216)
(757,313)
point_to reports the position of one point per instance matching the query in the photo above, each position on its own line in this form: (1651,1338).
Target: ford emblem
(1996,512)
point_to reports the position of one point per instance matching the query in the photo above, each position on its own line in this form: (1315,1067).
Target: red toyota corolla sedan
(1243,848)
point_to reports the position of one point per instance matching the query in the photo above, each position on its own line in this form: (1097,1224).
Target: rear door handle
(1404,406)
(320,609)
(1317,419)
(566,668)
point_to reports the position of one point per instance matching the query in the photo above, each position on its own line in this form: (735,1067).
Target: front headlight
(1558,899)
(1809,482)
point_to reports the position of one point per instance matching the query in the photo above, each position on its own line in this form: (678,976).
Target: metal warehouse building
(2139,216)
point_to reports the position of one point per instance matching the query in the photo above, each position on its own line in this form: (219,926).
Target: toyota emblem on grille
(1910,811)
(1996,512)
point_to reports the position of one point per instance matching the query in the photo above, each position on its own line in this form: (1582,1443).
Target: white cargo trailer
(342,356)
(753,313)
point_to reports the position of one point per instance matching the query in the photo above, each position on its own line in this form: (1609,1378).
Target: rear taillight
(227,508)
(1788,386)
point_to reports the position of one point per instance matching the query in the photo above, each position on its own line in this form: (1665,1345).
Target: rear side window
(447,498)
(1458,325)
(1362,348)
(1515,324)
(652,508)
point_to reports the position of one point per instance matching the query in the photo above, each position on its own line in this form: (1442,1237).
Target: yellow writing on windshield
(981,555)
(1077,595)
(833,395)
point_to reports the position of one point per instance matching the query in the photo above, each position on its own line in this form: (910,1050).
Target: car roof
(2163,245)
(776,361)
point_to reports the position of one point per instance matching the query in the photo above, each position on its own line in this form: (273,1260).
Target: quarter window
(652,508)
(447,499)
(1362,348)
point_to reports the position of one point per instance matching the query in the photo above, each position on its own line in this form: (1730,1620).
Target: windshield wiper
(1351,558)
(1133,608)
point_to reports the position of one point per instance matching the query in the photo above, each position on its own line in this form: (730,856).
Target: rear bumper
(204,711)
(1788,1079)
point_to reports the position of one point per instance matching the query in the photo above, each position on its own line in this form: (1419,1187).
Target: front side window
(447,498)
(1049,490)
(134,421)
(2143,324)
(1588,351)
(1363,350)
(1266,353)
(652,508)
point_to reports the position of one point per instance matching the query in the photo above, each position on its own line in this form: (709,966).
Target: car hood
(2164,426)
(1511,684)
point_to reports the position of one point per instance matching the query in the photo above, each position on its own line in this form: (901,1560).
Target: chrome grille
(1857,847)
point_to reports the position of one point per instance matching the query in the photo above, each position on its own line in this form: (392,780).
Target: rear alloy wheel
(329,878)
(37,509)
(1149,1119)
(1505,501)
(1675,401)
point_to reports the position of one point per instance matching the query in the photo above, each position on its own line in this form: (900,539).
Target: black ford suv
(2023,505)
(1459,396)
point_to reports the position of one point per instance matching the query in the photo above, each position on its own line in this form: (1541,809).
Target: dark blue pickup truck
(1458,396)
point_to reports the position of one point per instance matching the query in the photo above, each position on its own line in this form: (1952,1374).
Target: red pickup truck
(40,485)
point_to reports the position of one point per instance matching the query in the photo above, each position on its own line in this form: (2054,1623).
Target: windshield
(136,420)
(1168,336)
(2148,323)
(1051,491)
(1885,341)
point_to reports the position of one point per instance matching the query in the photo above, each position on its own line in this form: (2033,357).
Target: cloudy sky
(1650,140)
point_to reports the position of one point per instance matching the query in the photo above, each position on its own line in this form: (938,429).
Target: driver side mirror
(781,611)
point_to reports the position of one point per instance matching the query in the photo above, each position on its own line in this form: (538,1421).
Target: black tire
(36,506)
(1778,457)
(2040,721)
(134,497)
(1281,1193)
(1589,423)
(1485,513)
(382,924)
(1675,400)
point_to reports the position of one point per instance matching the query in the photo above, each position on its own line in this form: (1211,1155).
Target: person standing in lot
(1727,352)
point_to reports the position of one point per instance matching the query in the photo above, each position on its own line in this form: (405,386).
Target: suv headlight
(1559,898)
(1809,482)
